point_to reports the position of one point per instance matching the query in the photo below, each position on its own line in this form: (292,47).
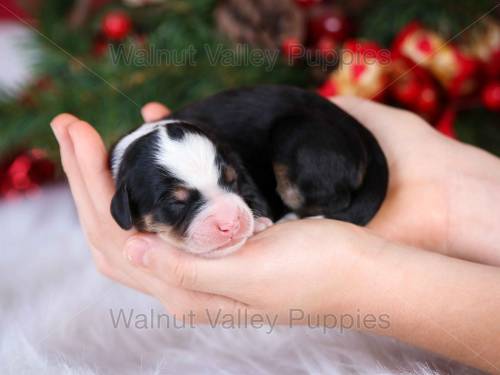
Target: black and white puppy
(214,173)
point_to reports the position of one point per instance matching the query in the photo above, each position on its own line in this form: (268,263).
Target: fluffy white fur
(17,60)
(56,320)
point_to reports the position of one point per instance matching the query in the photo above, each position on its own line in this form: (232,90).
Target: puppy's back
(245,119)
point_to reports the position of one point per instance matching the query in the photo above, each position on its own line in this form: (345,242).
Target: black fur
(336,163)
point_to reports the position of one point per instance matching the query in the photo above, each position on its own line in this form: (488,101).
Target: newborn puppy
(214,173)
(173,179)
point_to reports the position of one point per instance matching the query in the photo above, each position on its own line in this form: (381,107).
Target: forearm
(445,305)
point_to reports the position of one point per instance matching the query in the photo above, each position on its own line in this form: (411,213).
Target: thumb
(181,269)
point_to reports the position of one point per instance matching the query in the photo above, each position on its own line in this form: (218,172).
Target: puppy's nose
(228,228)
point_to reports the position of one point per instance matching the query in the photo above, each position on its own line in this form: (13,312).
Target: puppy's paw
(291,216)
(262,223)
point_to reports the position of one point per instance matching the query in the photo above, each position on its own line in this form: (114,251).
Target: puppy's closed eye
(178,199)
(181,194)
(230,175)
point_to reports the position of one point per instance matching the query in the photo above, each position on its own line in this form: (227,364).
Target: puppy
(214,173)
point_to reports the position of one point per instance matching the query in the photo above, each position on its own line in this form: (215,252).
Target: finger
(82,200)
(92,160)
(154,111)
(117,274)
(87,214)
(187,271)
(112,264)
(175,296)
(201,307)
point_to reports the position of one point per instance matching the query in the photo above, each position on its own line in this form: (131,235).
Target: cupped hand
(309,265)
(443,195)
(84,159)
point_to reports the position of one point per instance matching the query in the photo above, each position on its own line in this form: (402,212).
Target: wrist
(419,293)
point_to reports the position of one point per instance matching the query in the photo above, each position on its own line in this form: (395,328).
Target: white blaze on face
(191,159)
(126,141)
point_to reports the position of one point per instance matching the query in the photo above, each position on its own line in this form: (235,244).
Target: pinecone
(260,23)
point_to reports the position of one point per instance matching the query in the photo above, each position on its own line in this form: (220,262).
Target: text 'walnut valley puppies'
(214,173)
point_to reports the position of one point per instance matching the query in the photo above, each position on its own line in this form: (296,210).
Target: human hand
(310,265)
(84,160)
(443,195)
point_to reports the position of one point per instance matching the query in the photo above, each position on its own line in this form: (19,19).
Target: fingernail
(136,252)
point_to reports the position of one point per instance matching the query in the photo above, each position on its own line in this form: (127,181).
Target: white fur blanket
(56,319)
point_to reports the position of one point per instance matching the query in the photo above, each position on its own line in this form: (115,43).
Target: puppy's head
(171,178)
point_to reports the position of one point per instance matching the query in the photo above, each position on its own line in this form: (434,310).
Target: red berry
(116,25)
(491,96)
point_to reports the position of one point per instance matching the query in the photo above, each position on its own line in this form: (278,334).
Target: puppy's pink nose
(228,228)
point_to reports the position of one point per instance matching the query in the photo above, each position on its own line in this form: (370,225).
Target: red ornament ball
(491,96)
(116,25)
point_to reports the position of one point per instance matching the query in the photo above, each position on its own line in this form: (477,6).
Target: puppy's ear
(120,208)
(340,201)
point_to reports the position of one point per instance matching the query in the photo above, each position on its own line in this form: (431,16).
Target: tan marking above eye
(289,193)
(181,194)
(229,174)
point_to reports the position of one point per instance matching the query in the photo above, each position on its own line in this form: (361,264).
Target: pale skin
(444,196)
